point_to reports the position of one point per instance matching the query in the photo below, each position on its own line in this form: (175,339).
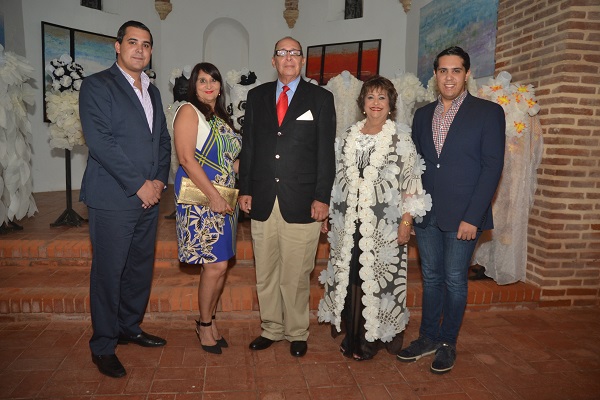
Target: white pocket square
(307,116)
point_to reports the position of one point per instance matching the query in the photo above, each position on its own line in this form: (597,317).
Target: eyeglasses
(283,53)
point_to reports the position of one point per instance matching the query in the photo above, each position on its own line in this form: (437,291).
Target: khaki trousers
(285,256)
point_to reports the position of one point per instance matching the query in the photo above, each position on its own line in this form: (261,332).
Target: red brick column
(555,46)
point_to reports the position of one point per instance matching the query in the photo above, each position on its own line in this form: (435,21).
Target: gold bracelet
(405,222)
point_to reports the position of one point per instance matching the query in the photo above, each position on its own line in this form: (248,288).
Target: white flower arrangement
(62,102)
(63,112)
(65,73)
(410,91)
(518,101)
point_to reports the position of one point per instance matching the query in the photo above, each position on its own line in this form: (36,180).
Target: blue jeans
(445,262)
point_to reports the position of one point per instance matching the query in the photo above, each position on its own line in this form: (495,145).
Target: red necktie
(282,105)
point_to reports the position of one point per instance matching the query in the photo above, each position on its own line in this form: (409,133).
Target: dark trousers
(122,263)
(445,262)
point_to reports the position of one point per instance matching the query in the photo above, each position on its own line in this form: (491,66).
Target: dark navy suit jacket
(294,162)
(463,179)
(123,153)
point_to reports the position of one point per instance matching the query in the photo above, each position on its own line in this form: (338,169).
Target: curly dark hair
(220,109)
(374,83)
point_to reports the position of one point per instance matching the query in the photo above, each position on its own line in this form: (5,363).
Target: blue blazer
(123,153)
(463,179)
(294,162)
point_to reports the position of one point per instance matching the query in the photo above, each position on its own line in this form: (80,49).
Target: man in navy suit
(461,139)
(128,165)
(287,169)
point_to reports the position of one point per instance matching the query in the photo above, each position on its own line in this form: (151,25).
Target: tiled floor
(534,354)
(515,349)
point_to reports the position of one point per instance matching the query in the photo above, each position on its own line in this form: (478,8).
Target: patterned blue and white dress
(202,235)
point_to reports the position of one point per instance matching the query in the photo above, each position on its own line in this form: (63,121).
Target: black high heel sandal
(221,342)
(214,349)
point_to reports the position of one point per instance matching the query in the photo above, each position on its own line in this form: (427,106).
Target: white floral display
(505,255)
(376,201)
(410,92)
(517,100)
(62,103)
(66,75)
(16,198)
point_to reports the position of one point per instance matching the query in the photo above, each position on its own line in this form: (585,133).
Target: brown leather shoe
(298,348)
(261,343)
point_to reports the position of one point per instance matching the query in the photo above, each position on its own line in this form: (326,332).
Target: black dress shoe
(143,339)
(298,348)
(109,365)
(261,343)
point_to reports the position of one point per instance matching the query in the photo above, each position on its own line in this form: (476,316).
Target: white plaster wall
(178,41)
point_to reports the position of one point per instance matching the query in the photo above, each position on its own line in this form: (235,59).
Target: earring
(389,113)
(364,113)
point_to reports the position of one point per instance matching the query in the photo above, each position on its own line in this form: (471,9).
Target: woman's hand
(404,229)
(219,205)
(403,234)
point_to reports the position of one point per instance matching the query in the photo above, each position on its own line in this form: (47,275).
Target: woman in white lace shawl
(376,194)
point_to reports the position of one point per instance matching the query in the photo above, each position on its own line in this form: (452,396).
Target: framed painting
(361,59)
(470,24)
(94,52)
(95,4)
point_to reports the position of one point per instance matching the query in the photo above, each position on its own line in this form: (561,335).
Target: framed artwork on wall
(470,24)
(325,61)
(94,52)
(95,4)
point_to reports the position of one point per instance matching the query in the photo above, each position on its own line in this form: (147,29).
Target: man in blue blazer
(461,139)
(287,167)
(128,165)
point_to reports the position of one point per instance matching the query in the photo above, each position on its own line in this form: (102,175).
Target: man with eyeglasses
(286,174)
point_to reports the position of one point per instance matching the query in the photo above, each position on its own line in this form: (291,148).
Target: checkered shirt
(441,123)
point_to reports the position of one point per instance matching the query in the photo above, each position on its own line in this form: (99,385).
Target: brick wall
(555,46)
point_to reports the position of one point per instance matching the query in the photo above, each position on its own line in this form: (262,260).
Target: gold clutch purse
(190,194)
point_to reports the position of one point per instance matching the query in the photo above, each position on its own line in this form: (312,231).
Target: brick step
(51,290)
(44,273)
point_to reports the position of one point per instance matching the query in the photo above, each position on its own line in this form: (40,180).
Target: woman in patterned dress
(207,147)
(376,194)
